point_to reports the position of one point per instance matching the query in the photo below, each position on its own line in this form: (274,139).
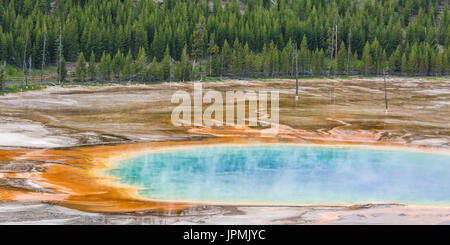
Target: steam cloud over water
(290,175)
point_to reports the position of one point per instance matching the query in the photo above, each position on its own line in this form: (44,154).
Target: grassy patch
(14,73)
(15,88)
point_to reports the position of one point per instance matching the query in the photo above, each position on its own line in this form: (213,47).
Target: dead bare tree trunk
(336,51)
(349,51)
(24,67)
(296,70)
(29,67)
(221,66)
(60,51)
(43,54)
(2,76)
(385,91)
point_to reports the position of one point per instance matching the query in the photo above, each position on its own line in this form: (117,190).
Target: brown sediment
(286,132)
(74,183)
(73,177)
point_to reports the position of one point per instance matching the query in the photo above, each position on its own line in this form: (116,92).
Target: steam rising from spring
(280,174)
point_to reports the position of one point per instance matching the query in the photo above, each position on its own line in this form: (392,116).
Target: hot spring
(289,175)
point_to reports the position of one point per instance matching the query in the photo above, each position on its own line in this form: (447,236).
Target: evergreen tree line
(147,40)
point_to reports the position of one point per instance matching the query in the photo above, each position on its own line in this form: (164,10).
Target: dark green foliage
(62,70)
(366,62)
(154,70)
(166,65)
(197,46)
(104,67)
(2,77)
(183,68)
(92,69)
(117,64)
(227,54)
(342,59)
(81,69)
(127,69)
(304,55)
(140,65)
(252,37)
(318,62)
(213,51)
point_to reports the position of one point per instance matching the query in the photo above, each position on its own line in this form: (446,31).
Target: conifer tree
(183,68)
(286,58)
(445,63)
(250,64)
(315,62)
(354,63)
(366,62)
(227,54)
(376,56)
(303,57)
(265,63)
(2,77)
(117,63)
(154,70)
(434,64)
(166,65)
(245,52)
(236,58)
(273,58)
(111,26)
(342,59)
(213,50)
(70,39)
(141,37)
(104,67)
(395,61)
(158,45)
(61,69)
(413,60)
(197,47)
(140,65)
(127,69)
(92,69)
(404,67)
(80,69)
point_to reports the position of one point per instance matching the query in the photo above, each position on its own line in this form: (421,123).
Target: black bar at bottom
(227,234)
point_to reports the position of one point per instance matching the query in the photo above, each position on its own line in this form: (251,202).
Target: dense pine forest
(147,40)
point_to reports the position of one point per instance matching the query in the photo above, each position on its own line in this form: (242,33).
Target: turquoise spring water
(290,175)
